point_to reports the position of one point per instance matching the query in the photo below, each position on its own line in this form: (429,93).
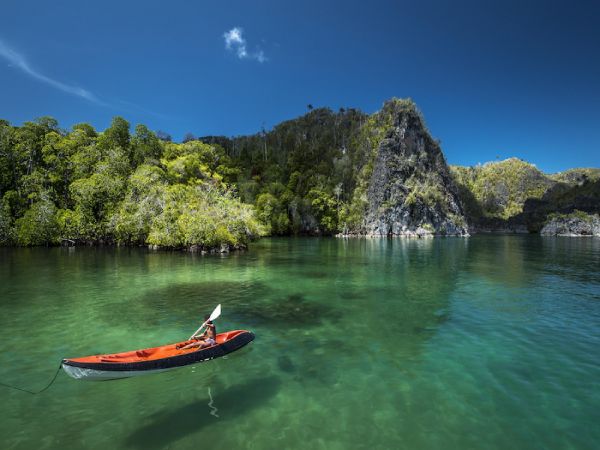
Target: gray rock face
(572,226)
(411,192)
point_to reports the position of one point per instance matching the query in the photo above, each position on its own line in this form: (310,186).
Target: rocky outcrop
(411,191)
(577,224)
(513,196)
(493,195)
(563,200)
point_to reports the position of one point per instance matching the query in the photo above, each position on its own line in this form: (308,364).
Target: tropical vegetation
(84,186)
(308,175)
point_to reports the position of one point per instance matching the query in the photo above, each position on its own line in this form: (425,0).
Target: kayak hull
(152,360)
(80,373)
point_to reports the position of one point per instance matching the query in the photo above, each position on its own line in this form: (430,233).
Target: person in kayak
(206,339)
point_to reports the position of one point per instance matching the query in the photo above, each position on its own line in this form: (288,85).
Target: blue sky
(493,79)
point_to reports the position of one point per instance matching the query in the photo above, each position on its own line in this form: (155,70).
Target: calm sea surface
(485,342)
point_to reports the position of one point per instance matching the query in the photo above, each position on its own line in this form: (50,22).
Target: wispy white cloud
(235,42)
(18,60)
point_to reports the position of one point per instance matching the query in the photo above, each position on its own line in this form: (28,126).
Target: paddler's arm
(201,336)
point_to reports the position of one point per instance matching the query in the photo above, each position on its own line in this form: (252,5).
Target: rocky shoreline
(573,225)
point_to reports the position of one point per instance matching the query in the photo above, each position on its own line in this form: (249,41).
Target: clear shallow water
(486,342)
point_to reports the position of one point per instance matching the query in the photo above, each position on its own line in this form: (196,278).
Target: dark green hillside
(300,173)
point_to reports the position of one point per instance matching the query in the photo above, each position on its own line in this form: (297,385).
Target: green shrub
(38,226)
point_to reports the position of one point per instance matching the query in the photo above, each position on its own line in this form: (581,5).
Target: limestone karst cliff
(410,190)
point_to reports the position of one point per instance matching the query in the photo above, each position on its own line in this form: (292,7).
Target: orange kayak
(152,360)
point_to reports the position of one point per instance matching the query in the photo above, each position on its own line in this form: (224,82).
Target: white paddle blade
(216,313)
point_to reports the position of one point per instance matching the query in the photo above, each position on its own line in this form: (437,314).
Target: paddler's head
(206,319)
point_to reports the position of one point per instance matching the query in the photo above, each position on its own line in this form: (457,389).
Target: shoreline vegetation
(341,173)
(83,187)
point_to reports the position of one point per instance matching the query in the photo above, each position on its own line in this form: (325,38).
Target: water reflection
(577,259)
(517,261)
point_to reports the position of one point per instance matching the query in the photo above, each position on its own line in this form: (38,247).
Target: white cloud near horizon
(235,42)
(18,60)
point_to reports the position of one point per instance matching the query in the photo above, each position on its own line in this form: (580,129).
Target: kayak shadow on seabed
(169,426)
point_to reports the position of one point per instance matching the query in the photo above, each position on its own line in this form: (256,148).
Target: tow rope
(32,392)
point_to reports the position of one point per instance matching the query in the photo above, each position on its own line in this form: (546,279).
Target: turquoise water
(485,342)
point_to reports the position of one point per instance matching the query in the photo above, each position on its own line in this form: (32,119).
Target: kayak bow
(152,360)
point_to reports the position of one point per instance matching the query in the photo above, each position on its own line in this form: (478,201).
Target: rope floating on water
(32,392)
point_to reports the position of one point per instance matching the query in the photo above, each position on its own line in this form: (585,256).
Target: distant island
(325,173)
